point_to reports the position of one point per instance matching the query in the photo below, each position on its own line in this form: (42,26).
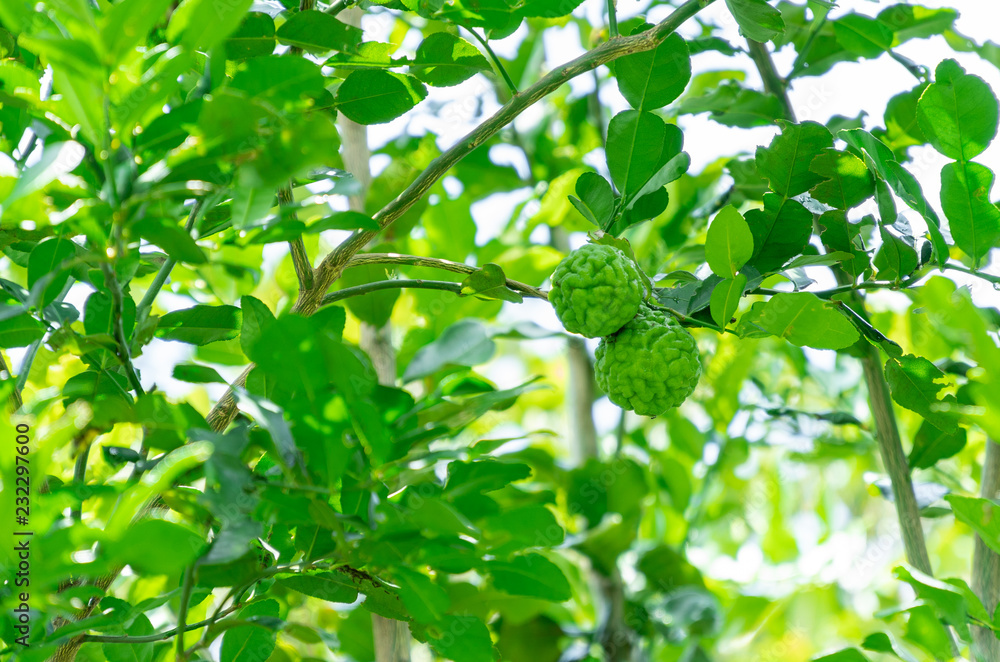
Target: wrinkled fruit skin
(596,290)
(650,366)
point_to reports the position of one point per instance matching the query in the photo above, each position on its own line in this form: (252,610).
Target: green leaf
(932,444)
(518,528)
(670,171)
(57,159)
(282,80)
(157,547)
(127,652)
(948,601)
(916,384)
(726,299)
(256,319)
(732,104)
(193,373)
(825,260)
(200,325)
(958,113)
(896,259)
(757,19)
(636,141)
(334,586)
(444,59)
(597,198)
(253,38)
(807,321)
(318,32)
(344,220)
(490,282)
(20,331)
(651,79)
(45,261)
(373,308)
(426,601)
(482,476)
(201,24)
(785,162)
(862,35)
(173,239)
(464,343)
(464,638)
(981,514)
(531,575)
(98,314)
(370,96)
(729,243)
(781,230)
(965,198)
(848,182)
(845,655)
(250,643)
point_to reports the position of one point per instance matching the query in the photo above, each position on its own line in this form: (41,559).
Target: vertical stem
(182,612)
(612,19)
(773,83)
(80,476)
(886,429)
(891,449)
(497,64)
(986,562)
(392,638)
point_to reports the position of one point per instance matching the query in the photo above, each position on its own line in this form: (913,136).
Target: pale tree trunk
(986,562)
(392,638)
(616,638)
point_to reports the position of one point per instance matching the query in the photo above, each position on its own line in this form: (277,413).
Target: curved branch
(398,284)
(437,263)
(333,264)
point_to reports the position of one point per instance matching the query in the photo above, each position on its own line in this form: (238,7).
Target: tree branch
(333,264)
(437,263)
(330,268)
(773,83)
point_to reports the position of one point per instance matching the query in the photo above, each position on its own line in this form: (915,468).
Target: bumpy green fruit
(596,290)
(650,366)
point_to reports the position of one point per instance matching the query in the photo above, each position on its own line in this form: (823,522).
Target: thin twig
(150,638)
(182,611)
(773,83)
(146,304)
(511,87)
(800,59)
(118,325)
(437,263)
(612,19)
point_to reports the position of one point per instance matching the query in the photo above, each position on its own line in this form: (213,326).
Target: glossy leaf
(917,384)
(972,217)
(315,31)
(806,320)
(958,112)
(729,243)
(652,79)
(757,19)
(200,325)
(375,97)
(786,162)
(443,60)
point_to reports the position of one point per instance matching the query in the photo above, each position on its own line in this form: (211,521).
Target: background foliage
(273,394)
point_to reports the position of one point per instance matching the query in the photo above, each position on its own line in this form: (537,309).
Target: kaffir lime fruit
(596,290)
(650,366)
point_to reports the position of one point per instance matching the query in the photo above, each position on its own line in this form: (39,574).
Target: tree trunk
(986,562)
(392,638)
